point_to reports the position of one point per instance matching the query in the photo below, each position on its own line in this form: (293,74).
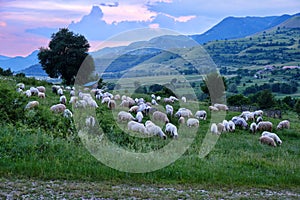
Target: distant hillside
(19,63)
(279,45)
(239,27)
(4,57)
(34,70)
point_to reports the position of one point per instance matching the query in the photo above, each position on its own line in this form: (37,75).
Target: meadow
(41,145)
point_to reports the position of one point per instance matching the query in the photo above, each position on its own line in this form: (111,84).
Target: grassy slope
(237,159)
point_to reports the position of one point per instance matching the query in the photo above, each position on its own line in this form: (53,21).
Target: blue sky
(25,25)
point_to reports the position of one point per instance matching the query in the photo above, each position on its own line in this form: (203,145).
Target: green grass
(237,159)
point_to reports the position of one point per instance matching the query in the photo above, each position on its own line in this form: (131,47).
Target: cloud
(3,24)
(114,4)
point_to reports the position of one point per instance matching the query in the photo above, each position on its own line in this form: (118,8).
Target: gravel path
(57,189)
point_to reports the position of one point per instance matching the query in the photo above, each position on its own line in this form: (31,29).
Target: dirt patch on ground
(57,189)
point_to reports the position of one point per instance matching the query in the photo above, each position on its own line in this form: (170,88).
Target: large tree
(65,55)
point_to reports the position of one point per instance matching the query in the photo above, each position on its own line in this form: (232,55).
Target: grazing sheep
(158,98)
(253,127)
(258,113)
(152,96)
(214,128)
(160,116)
(244,114)
(241,122)
(184,112)
(137,127)
(173,98)
(58,108)
(181,120)
(105,100)
(125,116)
(32,104)
(222,107)
(125,103)
(28,93)
(192,122)
(41,89)
(41,95)
(274,136)
(55,88)
(68,113)
(231,126)
(265,126)
(72,93)
(117,97)
(73,99)
(153,102)
(201,114)
(183,99)
(259,119)
(221,128)
(139,116)
(60,92)
(172,130)
(90,121)
(111,104)
(21,86)
(92,103)
(168,100)
(225,123)
(169,109)
(80,104)
(267,140)
(153,129)
(34,91)
(133,109)
(284,124)
(213,108)
(63,99)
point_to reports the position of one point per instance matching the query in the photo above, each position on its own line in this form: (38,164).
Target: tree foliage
(214,85)
(64,56)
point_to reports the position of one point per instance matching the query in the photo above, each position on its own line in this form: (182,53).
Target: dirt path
(36,189)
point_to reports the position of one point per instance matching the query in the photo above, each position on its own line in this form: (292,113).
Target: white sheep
(21,86)
(231,126)
(158,98)
(137,127)
(184,112)
(222,107)
(139,116)
(213,108)
(183,99)
(201,114)
(192,122)
(63,99)
(267,140)
(41,95)
(41,89)
(160,116)
(81,104)
(169,109)
(181,120)
(214,128)
(283,124)
(253,127)
(153,129)
(125,116)
(28,93)
(241,122)
(34,91)
(258,113)
(259,119)
(105,100)
(265,126)
(274,136)
(111,104)
(153,102)
(68,113)
(73,99)
(172,130)
(133,109)
(32,104)
(90,121)
(225,123)
(60,92)
(58,108)
(117,97)
(168,100)
(221,128)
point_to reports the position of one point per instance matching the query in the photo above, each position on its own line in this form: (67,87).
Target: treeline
(284,88)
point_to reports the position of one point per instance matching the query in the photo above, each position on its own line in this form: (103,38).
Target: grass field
(238,160)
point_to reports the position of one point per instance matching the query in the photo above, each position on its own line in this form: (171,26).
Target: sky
(26,25)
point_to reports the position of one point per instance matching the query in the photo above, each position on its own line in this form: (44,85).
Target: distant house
(269,67)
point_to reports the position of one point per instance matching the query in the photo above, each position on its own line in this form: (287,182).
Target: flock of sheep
(133,111)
